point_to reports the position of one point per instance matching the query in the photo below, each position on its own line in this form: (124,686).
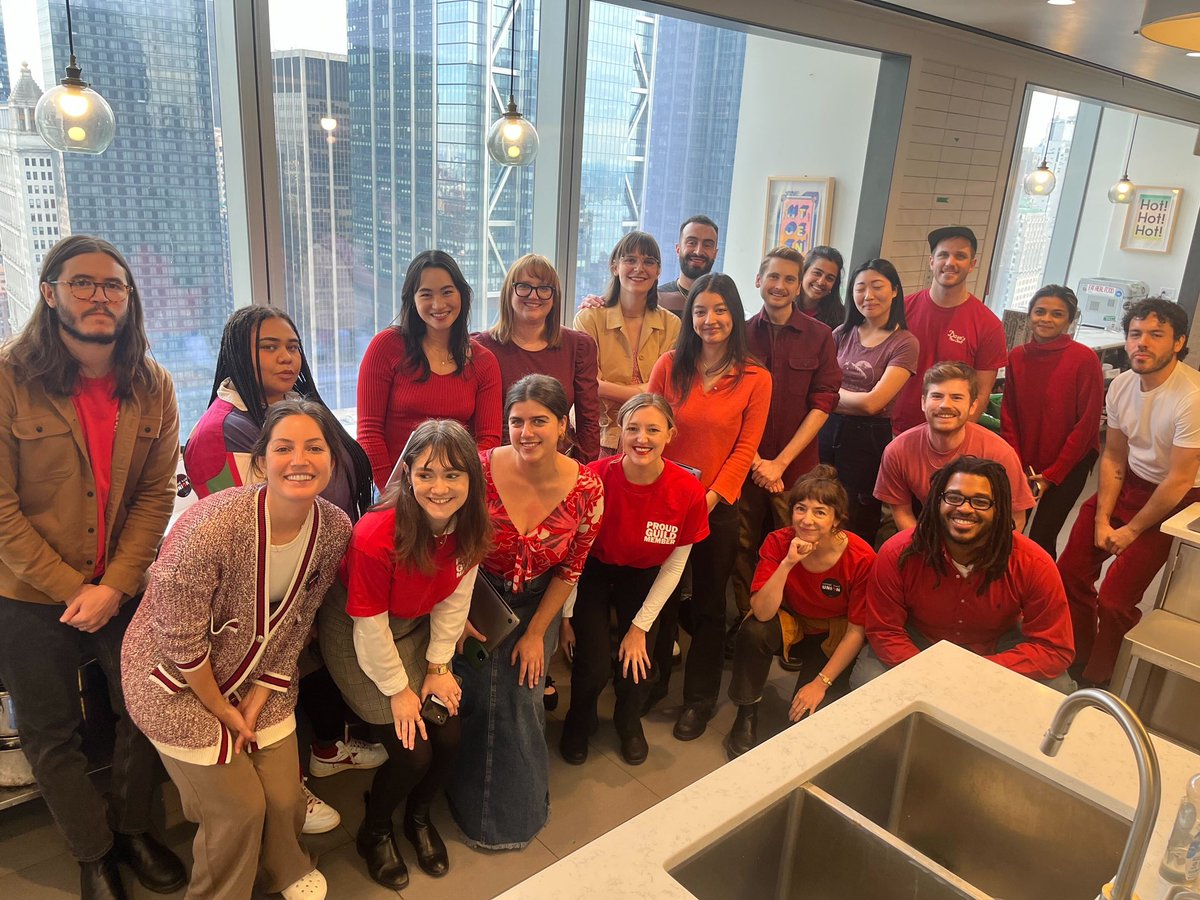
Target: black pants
(603,588)
(39,665)
(1056,504)
(854,445)
(711,562)
(322,702)
(417,774)
(758,643)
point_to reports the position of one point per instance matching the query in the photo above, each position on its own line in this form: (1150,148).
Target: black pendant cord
(1129,152)
(70,33)
(512,62)
(1049,131)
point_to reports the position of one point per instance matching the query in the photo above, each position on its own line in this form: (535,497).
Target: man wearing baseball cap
(952,324)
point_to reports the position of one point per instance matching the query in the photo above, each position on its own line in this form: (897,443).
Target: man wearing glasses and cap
(951,323)
(964,575)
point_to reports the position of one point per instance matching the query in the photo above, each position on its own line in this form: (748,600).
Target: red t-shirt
(97,407)
(838,591)
(969,333)
(644,523)
(375,583)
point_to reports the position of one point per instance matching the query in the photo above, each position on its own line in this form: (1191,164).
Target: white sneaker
(312,886)
(351,754)
(319,816)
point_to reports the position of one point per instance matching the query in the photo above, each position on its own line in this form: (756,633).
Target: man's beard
(70,326)
(693,271)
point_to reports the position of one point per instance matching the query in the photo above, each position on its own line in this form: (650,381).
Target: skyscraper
(425,82)
(3,61)
(154,191)
(312,117)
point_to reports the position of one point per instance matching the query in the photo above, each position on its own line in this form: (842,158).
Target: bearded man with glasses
(89,441)
(964,575)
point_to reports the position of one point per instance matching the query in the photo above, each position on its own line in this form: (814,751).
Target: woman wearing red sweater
(720,396)
(1056,432)
(426,367)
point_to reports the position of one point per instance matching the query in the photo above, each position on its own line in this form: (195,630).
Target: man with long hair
(89,441)
(964,575)
(1150,470)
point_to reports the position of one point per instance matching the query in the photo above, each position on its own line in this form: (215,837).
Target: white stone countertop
(1177,525)
(997,708)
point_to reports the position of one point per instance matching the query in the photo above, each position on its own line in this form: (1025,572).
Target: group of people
(628,470)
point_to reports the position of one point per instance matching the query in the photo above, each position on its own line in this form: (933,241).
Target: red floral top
(560,542)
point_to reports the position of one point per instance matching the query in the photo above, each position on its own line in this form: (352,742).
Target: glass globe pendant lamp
(512,140)
(1122,191)
(1040,181)
(71,117)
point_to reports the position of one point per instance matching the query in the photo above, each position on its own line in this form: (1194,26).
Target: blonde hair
(539,267)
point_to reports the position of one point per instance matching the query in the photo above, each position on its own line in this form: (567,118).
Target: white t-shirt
(1155,421)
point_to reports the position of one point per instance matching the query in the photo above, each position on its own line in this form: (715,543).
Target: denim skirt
(499,791)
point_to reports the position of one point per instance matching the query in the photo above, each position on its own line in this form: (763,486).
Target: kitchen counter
(1179,525)
(987,703)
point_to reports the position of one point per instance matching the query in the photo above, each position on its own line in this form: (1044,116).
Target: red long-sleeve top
(949,607)
(392,402)
(1053,395)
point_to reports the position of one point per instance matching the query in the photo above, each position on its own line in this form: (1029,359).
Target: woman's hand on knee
(530,653)
(406,716)
(633,656)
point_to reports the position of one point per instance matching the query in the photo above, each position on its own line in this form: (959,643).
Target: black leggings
(323,704)
(1056,504)
(417,774)
(854,445)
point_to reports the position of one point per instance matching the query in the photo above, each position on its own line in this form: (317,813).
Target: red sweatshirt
(1053,394)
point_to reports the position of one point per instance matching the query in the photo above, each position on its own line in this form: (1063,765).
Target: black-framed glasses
(524,289)
(954,498)
(85,289)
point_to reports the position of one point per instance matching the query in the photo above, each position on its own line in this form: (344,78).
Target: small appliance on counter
(1102,300)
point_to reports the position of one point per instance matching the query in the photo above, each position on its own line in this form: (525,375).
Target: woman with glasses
(631,331)
(427,367)
(529,339)
(720,396)
(809,601)
(821,286)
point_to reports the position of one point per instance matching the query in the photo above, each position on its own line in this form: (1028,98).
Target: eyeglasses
(954,498)
(648,262)
(524,289)
(85,289)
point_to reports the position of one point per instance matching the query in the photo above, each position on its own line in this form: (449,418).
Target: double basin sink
(920,812)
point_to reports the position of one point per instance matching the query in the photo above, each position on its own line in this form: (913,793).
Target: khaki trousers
(250,813)
(759,513)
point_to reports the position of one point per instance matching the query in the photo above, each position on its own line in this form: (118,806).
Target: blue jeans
(499,791)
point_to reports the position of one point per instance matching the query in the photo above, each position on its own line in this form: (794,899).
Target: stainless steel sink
(918,812)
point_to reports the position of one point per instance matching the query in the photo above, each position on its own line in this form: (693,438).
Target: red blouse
(560,542)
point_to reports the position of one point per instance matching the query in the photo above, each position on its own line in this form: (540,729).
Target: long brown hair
(449,443)
(686,364)
(38,351)
(639,242)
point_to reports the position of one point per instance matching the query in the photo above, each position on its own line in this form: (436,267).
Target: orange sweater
(719,430)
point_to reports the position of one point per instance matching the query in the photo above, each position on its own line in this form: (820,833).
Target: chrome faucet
(1149,780)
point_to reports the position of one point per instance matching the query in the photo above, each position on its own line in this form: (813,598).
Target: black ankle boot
(743,735)
(100,879)
(382,856)
(156,867)
(431,849)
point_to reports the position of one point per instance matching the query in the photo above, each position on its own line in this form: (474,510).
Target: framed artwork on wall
(798,214)
(1150,219)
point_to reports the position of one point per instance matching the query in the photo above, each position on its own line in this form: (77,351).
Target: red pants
(1101,618)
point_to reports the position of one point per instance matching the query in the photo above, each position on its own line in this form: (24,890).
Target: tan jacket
(47,493)
(606,326)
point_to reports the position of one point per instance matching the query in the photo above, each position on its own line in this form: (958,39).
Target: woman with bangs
(427,366)
(720,396)
(821,286)
(389,629)
(809,601)
(630,329)
(529,339)
(877,354)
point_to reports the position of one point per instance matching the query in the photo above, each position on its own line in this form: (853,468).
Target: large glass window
(381,107)
(156,193)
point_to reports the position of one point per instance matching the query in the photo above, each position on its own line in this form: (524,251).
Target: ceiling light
(71,117)
(1122,191)
(1175,23)
(1193,53)
(1040,182)
(512,140)
(1061,2)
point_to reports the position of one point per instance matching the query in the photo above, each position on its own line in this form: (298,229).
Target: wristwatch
(437,669)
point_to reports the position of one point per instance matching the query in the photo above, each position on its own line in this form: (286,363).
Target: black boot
(431,849)
(384,864)
(100,879)
(743,735)
(156,867)
(574,742)
(692,721)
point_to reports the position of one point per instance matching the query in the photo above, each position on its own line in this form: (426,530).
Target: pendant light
(1040,182)
(71,117)
(512,139)
(1175,23)
(1122,191)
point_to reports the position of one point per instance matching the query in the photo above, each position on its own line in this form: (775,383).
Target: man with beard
(948,391)
(1148,472)
(963,575)
(89,441)
(697,251)
(951,324)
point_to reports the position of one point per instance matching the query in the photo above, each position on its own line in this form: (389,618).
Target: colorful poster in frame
(798,214)
(1150,219)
